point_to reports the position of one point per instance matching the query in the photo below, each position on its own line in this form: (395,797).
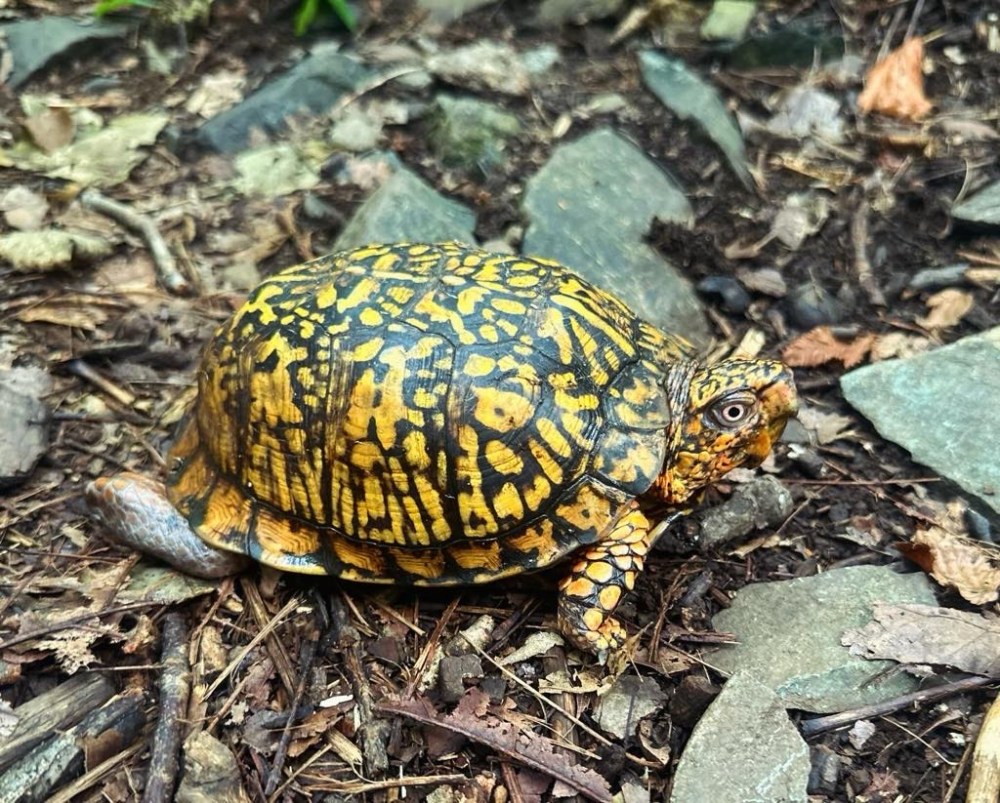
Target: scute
(429,412)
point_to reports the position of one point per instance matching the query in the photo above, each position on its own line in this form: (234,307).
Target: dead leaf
(927,634)
(947,308)
(471,718)
(819,346)
(216,93)
(898,344)
(827,427)
(23,209)
(970,567)
(51,129)
(895,86)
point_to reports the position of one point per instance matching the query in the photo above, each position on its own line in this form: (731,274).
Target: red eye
(732,413)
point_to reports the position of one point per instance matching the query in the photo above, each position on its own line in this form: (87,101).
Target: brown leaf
(51,129)
(537,752)
(926,634)
(819,346)
(947,308)
(970,567)
(895,86)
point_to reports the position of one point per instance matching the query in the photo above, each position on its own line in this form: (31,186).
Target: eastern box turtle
(436,415)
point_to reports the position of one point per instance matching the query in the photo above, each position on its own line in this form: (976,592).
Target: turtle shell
(423,414)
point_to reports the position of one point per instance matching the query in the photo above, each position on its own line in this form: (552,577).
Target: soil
(903,176)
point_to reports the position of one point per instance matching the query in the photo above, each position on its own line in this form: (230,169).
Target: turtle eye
(733,411)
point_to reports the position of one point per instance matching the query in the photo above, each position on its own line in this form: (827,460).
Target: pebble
(809,305)
(762,502)
(735,300)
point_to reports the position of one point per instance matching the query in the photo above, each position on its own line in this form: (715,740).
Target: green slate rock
(983,208)
(407,209)
(586,211)
(32,44)
(744,749)
(789,636)
(691,97)
(941,406)
(471,133)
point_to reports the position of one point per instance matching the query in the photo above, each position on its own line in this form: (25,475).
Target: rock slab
(586,212)
(314,85)
(407,209)
(789,636)
(744,750)
(33,44)
(24,422)
(941,406)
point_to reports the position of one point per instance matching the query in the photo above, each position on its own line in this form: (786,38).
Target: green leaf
(107,6)
(304,17)
(343,11)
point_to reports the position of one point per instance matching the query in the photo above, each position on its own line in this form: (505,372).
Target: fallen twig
(144,226)
(175,691)
(306,655)
(811,727)
(862,267)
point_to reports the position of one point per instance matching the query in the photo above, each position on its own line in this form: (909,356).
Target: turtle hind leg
(599,580)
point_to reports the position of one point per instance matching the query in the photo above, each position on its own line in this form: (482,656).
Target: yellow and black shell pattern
(422,414)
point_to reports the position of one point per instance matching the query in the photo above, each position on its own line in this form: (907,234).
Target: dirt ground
(333,652)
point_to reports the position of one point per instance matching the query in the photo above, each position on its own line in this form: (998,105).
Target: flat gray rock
(789,636)
(313,85)
(630,699)
(33,44)
(743,750)
(24,422)
(585,212)
(471,133)
(689,96)
(762,502)
(941,406)
(982,208)
(407,209)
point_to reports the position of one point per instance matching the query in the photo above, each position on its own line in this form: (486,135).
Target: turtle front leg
(598,581)
(135,512)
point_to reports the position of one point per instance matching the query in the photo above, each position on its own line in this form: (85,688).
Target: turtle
(435,414)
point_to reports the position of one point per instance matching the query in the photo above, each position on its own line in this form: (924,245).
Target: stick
(811,727)
(175,691)
(984,775)
(862,267)
(144,226)
(306,655)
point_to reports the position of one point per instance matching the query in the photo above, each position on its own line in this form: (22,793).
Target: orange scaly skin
(437,415)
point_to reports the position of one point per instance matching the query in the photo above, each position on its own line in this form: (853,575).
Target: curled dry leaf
(895,86)
(820,345)
(970,567)
(926,634)
(947,308)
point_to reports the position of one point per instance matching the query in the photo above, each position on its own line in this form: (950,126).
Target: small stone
(355,131)
(483,65)
(728,20)
(407,209)
(32,44)
(735,299)
(809,306)
(556,13)
(982,209)
(629,700)
(693,696)
(767,281)
(24,423)
(453,672)
(763,502)
(938,278)
(210,772)
(824,774)
(744,749)
(471,133)
(808,111)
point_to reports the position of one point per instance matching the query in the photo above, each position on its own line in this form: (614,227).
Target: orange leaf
(895,86)
(819,346)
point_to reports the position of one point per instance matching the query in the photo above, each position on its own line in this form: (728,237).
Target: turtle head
(734,412)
